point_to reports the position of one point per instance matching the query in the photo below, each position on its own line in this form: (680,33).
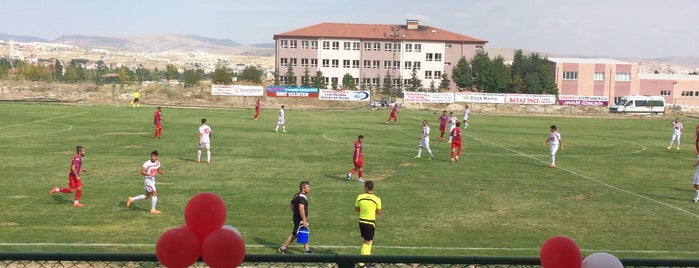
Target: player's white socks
(140,197)
(208,156)
(553,160)
(198,155)
(153,201)
(429,151)
(697,195)
(419,151)
(276,128)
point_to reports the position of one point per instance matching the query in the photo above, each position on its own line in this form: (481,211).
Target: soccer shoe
(360,180)
(284,131)
(552,166)
(197,160)
(456,158)
(386,122)
(348,177)
(54,190)
(678,148)
(417,157)
(669,147)
(128,202)
(452,160)
(276,131)
(431,157)
(307,251)
(281,250)
(78,205)
(695,200)
(208,162)
(155,211)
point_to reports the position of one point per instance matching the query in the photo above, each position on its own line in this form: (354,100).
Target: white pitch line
(594,180)
(42,120)
(356,246)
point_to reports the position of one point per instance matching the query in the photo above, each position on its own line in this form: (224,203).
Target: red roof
(377,31)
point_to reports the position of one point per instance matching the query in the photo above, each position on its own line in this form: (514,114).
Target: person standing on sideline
(455,138)
(157,121)
(696,181)
(424,140)
(358,159)
(299,209)
(442,125)
(696,139)
(467,114)
(368,205)
(554,140)
(204,141)
(676,133)
(393,115)
(257,109)
(281,121)
(75,184)
(452,123)
(135,103)
(150,168)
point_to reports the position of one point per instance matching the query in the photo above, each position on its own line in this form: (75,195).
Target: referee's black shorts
(367,230)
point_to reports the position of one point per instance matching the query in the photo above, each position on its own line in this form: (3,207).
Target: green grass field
(616,188)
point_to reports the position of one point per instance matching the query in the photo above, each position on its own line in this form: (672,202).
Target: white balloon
(232,229)
(601,260)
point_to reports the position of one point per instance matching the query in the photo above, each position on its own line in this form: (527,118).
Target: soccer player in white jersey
(204,141)
(676,133)
(554,141)
(696,181)
(281,121)
(452,123)
(467,113)
(150,168)
(424,140)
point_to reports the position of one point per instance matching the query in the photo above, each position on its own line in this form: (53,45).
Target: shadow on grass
(687,198)
(294,248)
(59,198)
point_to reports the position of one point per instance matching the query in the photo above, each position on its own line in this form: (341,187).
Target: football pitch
(616,187)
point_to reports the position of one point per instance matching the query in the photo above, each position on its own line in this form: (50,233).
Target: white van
(639,104)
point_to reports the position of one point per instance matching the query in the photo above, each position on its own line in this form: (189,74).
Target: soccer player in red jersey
(696,140)
(455,142)
(257,108)
(442,124)
(75,184)
(358,159)
(157,121)
(394,112)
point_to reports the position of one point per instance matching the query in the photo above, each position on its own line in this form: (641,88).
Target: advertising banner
(479,97)
(343,95)
(428,97)
(292,92)
(583,100)
(235,90)
(530,99)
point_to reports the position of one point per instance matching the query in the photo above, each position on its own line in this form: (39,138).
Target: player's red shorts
(455,144)
(74,182)
(392,116)
(359,163)
(158,125)
(442,128)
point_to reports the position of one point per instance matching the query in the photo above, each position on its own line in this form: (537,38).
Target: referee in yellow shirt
(368,205)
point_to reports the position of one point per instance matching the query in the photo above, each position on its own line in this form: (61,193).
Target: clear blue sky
(610,28)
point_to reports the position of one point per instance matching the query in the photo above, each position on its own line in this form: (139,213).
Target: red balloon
(178,248)
(204,213)
(560,252)
(223,248)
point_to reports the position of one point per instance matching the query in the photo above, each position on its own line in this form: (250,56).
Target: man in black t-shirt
(299,208)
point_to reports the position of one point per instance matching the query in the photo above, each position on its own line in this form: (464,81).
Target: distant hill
(21,38)
(152,43)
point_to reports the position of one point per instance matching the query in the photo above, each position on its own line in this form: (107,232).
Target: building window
(367,64)
(336,45)
(437,74)
(284,62)
(304,44)
(428,74)
(396,82)
(355,45)
(406,81)
(314,62)
(336,63)
(437,56)
(665,93)
(355,63)
(387,64)
(327,80)
(429,57)
(388,47)
(292,44)
(345,63)
(334,81)
(377,46)
(408,47)
(408,64)
(314,44)
(313,79)
(396,64)
(375,82)
(623,77)
(599,76)
(416,65)
(447,46)
(326,63)
(367,46)
(284,43)
(418,48)
(304,62)
(396,47)
(376,64)
(570,75)
(367,81)
(356,81)
(347,45)
(326,45)
(687,94)
(292,61)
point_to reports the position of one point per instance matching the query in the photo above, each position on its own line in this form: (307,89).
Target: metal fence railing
(102,260)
